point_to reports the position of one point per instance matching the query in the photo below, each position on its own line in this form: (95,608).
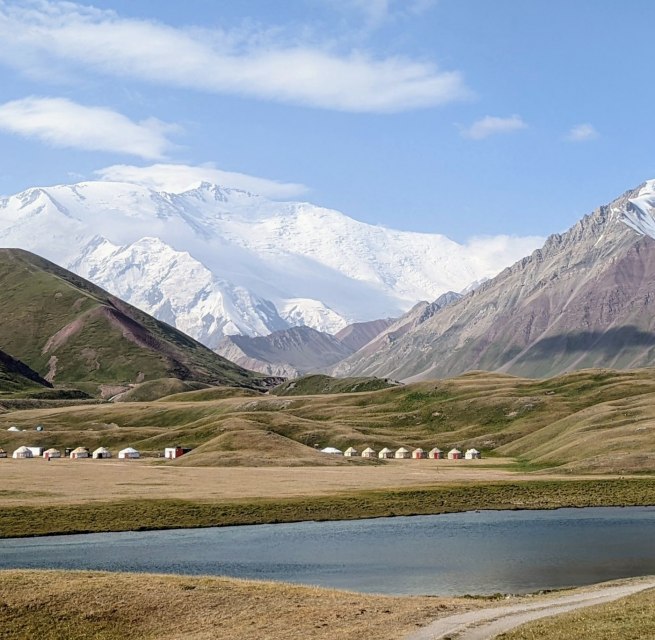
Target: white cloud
(377,12)
(177,178)
(497,252)
(492,125)
(62,123)
(582,133)
(36,36)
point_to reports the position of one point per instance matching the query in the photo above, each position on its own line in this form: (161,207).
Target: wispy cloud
(492,125)
(377,12)
(36,34)
(582,133)
(62,123)
(176,178)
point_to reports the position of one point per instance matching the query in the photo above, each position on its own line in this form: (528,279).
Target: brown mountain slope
(586,299)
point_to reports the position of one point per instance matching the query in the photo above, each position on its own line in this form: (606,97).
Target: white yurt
(51,453)
(3,453)
(79,452)
(13,428)
(385,453)
(332,450)
(419,454)
(454,454)
(128,453)
(22,452)
(435,454)
(402,453)
(472,454)
(101,452)
(351,452)
(369,453)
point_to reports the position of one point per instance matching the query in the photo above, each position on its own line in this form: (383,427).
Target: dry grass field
(51,605)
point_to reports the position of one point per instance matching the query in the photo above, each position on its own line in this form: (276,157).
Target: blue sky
(462,117)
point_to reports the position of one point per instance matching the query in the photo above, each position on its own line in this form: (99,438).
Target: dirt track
(484,624)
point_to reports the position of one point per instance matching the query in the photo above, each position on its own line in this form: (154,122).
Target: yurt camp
(472,454)
(435,454)
(351,452)
(402,454)
(3,453)
(100,453)
(22,452)
(78,453)
(48,454)
(419,454)
(369,453)
(385,453)
(128,454)
(454,454)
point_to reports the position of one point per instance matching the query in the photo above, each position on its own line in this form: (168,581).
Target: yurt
(419,454)
(332,450)
(13,428)
(402,453)
(101,452)
(369,453)
(472,454)
(129,453)
(3,453)
(454,454)
(385,453)
(435,454)
(80,452)
(51,453)
(22,452)
(351,452)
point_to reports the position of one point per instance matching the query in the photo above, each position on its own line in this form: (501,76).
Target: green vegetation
(319,384)
(630,617)
(165,514)
(156,389)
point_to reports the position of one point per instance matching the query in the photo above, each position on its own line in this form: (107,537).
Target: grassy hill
(70,331)
(320,384)
(16,376)
(595,421)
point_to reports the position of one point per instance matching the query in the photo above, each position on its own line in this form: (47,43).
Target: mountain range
(213,261)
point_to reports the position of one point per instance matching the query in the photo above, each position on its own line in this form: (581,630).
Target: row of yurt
(403,453)
(74,454)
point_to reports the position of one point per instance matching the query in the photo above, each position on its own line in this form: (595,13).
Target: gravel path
(484,624)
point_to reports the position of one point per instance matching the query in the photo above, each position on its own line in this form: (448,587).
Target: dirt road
(484,624)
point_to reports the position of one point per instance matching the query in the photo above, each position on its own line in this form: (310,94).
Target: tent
(13,428)
(472,454)
(419,454)
(128,453)
(402,453)
(454,454)
(101,452)
(385,453)
(3,453)
(37,452)
(435,454)
(80,452)
(332,450)
(22,452)
(351,452)
(369,453)
(51,453)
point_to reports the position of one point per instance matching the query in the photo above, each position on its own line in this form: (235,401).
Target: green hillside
(17,376)
(320,384)
(70,331)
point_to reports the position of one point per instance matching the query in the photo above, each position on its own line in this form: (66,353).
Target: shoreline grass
(153,514)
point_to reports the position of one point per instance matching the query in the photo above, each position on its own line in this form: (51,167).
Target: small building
(128,454)
(351,452)
(22,452)
(454,454)
(37,452)
(435,454)
(79,452)
(472,454)
(385,453)
(175,452)
(3,453)
(100,453)
(402,454)
(48,454)
(369,453)
(333,450)
(419,454)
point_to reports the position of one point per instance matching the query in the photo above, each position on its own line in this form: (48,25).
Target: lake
(476,552)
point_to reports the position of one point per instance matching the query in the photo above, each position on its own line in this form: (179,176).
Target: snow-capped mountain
(214,261)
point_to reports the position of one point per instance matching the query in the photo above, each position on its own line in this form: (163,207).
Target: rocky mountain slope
(69,330)
(16,375)
(213,261)
(585,299)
